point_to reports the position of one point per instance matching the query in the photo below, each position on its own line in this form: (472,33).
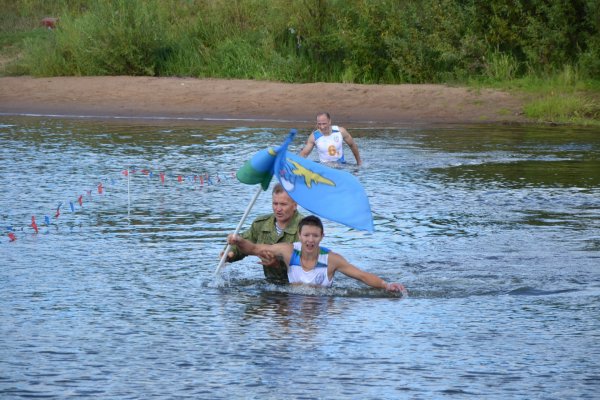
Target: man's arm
(310,144)
(264,251)
(352,144)
(235,254)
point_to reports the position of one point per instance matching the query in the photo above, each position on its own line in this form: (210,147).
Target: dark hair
(325,114)
(311,220)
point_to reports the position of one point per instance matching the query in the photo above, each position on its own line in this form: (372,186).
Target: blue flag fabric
(329,193)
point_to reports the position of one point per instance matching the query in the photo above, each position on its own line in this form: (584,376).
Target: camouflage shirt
(262,231)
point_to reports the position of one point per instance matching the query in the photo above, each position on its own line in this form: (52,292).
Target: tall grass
(565,108)
(563,96)
(119,37)
(500,67)
(329,40)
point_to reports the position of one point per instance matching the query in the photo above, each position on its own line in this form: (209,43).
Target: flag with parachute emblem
(329,193)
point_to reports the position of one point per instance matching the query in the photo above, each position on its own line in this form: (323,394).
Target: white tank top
(316,276)
(330,147)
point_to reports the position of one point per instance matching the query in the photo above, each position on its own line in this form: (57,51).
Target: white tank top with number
(330,147)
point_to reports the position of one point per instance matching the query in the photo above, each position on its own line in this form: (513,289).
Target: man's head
(283,206)
(323,122)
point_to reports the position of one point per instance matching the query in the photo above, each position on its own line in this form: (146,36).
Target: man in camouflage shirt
(279,227)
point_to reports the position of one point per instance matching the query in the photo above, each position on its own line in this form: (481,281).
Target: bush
(122,37)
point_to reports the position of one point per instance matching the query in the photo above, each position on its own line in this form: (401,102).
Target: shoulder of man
(292,228)
(342,130)
(345,134)
(296,218)
(262,218)
(260,226)
(263,222)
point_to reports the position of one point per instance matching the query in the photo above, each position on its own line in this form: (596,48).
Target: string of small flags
(75,204)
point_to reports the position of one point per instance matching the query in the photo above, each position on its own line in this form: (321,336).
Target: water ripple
(493,229)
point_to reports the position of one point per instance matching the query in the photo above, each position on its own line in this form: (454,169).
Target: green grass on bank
(562,97)
(545,52)
(577,109)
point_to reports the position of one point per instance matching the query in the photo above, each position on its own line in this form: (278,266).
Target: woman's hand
(267,258)
(396,287)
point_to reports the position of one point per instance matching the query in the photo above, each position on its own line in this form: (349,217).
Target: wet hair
(311,220)
(325,114)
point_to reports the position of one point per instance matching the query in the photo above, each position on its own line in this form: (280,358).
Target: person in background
(307,262)
(328,139)
(279,227)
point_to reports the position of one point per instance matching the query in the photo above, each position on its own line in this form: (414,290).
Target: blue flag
(329,193)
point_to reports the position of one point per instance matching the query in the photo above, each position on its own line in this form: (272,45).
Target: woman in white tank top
(308,262)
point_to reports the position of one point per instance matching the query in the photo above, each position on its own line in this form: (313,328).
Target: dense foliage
(359,41)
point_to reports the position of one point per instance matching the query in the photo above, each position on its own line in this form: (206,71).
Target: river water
(494,230)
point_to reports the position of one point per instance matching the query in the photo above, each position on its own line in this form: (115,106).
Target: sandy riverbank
(208,99)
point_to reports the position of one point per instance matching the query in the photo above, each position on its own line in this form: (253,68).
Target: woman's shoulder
(333,258)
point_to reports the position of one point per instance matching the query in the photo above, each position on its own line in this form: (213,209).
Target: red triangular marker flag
(33,224)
